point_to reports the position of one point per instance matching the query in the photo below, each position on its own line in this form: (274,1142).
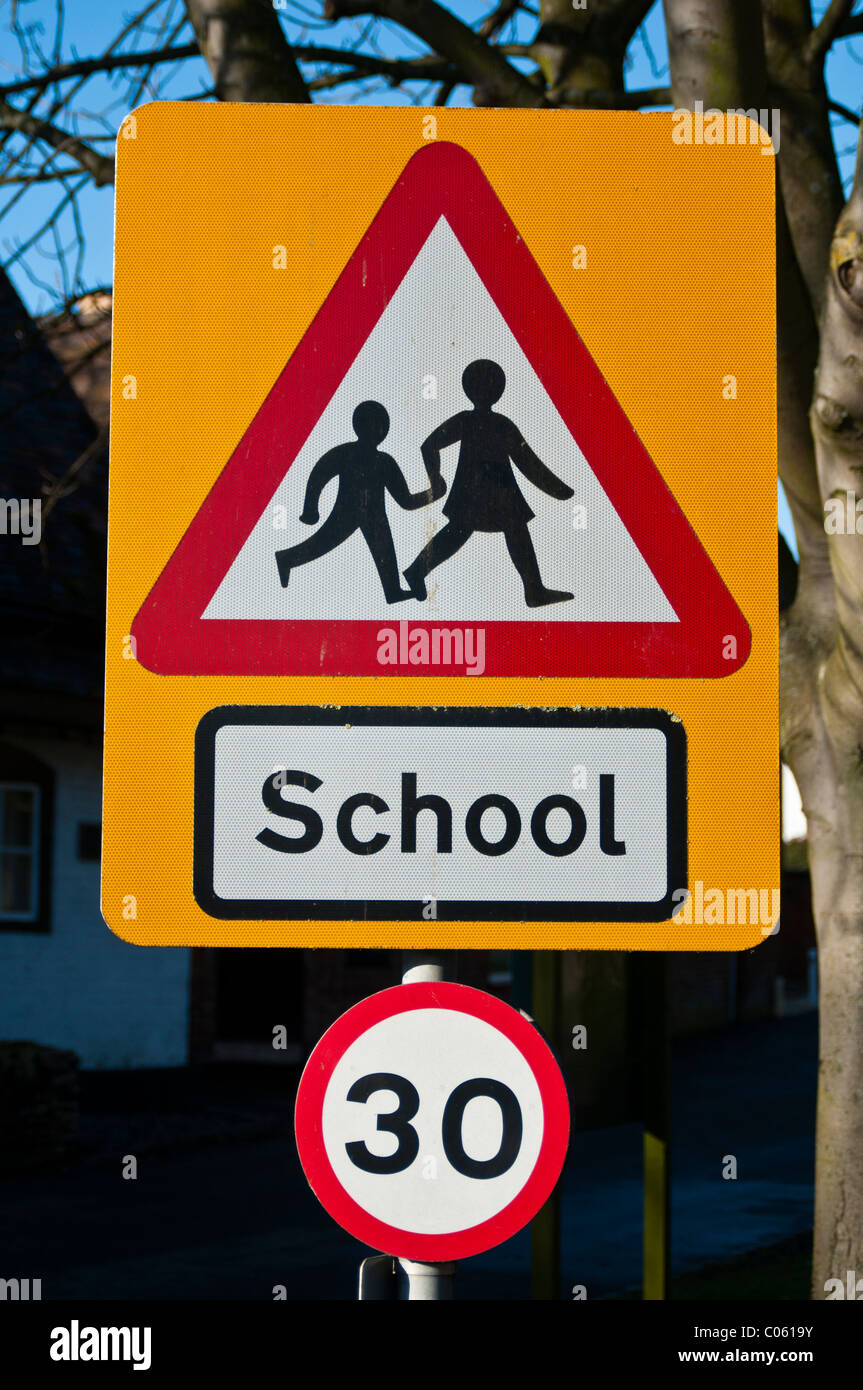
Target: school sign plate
(442,548)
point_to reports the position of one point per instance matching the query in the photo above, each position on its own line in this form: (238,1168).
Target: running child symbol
(365,475)
(484,495)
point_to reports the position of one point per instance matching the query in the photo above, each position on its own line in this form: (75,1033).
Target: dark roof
(80,339)
(53,594)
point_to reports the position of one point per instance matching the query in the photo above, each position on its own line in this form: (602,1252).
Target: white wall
(80,986)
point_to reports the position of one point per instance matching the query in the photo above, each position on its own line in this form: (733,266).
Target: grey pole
(421,966)
(410,1280)
(425,1283)
(419,1282)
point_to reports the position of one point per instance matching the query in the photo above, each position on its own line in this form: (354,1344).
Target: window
(26,795)
(19,851)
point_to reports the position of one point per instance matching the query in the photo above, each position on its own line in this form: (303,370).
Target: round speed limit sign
(432,1121)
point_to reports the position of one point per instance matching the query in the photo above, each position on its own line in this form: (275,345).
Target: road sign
(432,1121)
(441,313)
(436,512)
(441,814)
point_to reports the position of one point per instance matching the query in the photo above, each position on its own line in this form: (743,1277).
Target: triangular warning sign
(441,482)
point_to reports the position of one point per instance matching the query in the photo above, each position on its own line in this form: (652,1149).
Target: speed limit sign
(432,1121)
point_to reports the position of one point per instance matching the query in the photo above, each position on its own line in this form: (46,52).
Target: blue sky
(91,25)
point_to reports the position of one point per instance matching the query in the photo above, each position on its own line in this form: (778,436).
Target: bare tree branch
(108,62)
(578,50)
(844,111)
(444,92)
(45,175)
(494,22)
(99,166)
(478,63)
(808,170)
(370,64)
(47,117)
(23,247)
(71,479)
(828,29)
(632,100)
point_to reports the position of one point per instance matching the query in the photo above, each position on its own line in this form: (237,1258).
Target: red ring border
(392,1240)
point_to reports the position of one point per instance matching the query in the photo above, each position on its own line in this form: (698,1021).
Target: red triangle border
(441,179)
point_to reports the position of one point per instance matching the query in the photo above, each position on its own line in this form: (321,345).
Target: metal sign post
(656,1119)
(420,1282)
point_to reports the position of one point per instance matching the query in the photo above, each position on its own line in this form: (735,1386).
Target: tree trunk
(246,50)
(831,771)
(717,55)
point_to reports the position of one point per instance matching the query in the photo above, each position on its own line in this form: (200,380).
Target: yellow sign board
(442,600)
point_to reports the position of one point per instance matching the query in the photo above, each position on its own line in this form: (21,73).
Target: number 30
(397,1122)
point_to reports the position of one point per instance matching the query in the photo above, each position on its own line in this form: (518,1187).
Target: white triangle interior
(440,319)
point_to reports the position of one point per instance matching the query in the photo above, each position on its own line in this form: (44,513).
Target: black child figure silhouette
(365,476)
(485,495)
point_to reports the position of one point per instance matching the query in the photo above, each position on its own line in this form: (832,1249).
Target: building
(64,979)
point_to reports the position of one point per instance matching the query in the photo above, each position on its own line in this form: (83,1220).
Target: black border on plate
(311,909)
